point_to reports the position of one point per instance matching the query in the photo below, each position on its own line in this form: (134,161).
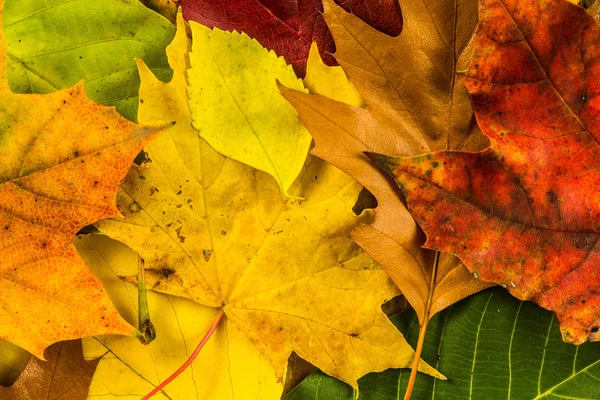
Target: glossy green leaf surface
(53,44)
(490,346)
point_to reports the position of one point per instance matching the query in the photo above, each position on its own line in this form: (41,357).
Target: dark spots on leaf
(179,235)
(178,193)
(594,329)
(165,272)
(142,158)
(223,233)
(435,164)
(141,101)
(75,154)
(551,197)
(428,172)
(179,206)
(353,335)
(142,177)
(583,301)
(153,190)
(207,254)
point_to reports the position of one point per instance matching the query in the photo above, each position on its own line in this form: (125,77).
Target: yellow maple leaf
(62,158)
(285,271)
(228,367)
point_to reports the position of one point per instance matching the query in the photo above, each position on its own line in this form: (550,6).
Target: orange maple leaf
(62,158)
(524,212)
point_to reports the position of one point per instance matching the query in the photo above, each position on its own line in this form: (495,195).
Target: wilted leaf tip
(383,161)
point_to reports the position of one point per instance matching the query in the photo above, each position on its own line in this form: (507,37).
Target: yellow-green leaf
(237,107)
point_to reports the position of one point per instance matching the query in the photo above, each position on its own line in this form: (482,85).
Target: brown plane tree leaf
(414,104)
(65,376)
(62,158)
(525,211)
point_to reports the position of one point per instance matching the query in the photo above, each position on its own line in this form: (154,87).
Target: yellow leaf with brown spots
(229,367)
(285,270)
(62,158)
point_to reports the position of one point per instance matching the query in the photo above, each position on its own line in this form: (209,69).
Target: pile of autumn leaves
(228,210)
(275,254)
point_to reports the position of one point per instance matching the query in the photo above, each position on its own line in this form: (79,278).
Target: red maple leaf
(288,27)
(525,212)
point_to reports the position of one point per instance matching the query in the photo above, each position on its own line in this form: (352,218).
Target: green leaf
(237,107)
(490,346)
(13,361)
(53,44)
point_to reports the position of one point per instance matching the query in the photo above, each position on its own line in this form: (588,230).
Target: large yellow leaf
(229,366)
(62,158)
(285,271)
(237,108)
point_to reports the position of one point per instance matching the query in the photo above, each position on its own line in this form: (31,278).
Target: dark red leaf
(288,27)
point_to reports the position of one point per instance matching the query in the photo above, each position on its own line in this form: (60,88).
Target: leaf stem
(422,329)
(191,359)
(145,325)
